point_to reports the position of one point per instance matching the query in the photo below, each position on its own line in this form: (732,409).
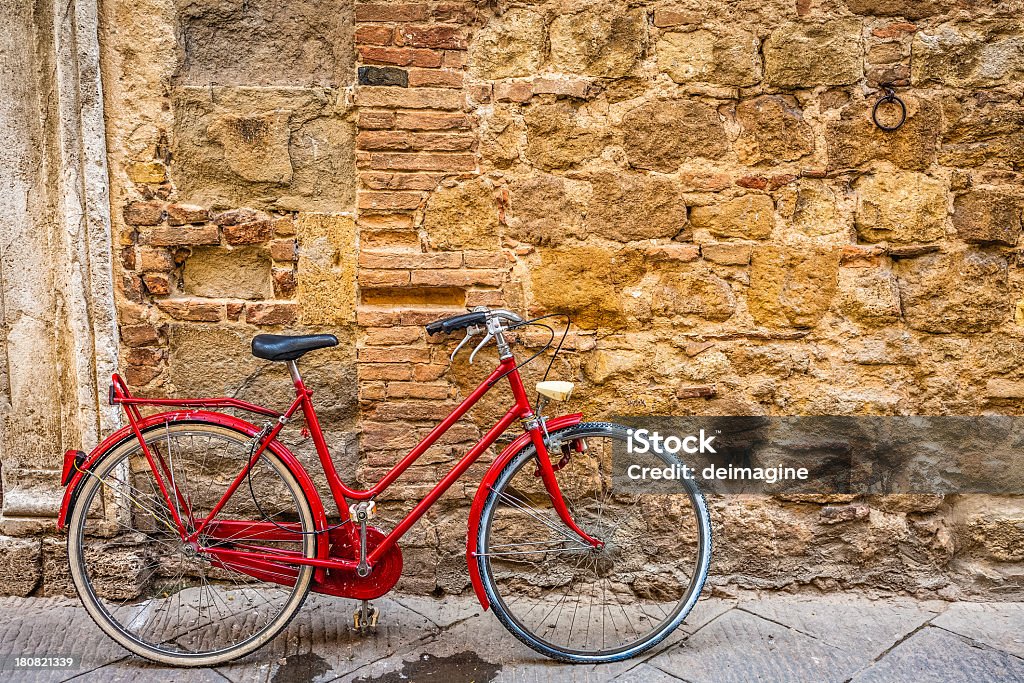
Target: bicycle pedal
(365,618)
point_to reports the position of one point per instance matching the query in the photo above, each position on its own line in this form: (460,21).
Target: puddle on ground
(464,667)
(301,668)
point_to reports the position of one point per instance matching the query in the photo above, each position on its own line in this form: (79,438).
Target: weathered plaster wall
(698,184)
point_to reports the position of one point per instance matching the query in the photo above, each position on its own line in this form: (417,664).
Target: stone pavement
(772,637)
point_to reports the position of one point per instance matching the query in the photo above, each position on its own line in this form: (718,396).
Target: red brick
(140,375)
(454,59)
(436,78)
(234,310)
(428,373)
(408,98)
(191,309)
(400,56)
(457,278)
(155,260)
(284,250)
(417,390)
(387,336)
(385,371)
(383,278)
(284,227)
(486,259)
(401,141)
(371,391)
(485,297)
(405,260)
(727,253)
(131,287)
(181,235)
(462,12)
(400,181)
(425,316)
(404,410)
(285,282)
(394,354)
(237,216)
(271,313)
(894,30)
(376,317)
(157,284)
(144,356)
(443,36)
(431,121)
(425,161)
(479,93)
(390,201)
(249,233)
(386,11)
(139,335)
(577,88)
(376,120)
(144,213)
(373,35)
(182,214)
(516,91)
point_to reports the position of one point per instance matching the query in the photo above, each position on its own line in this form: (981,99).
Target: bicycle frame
(340,492)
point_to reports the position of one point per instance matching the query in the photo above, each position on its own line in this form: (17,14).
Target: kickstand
(365,617)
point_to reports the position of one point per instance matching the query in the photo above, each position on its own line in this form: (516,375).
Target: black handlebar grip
(457,322)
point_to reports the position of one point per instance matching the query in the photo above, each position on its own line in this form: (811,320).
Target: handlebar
(480,316)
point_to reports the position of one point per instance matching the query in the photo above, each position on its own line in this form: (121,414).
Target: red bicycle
(194,536)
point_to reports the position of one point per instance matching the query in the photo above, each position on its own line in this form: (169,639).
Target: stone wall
(698,185)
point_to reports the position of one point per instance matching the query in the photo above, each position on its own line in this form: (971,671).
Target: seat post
(293,369)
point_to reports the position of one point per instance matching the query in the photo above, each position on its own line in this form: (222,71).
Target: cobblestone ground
(753,637)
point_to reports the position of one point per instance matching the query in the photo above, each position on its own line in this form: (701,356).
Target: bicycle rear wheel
(568,600)
(165,599)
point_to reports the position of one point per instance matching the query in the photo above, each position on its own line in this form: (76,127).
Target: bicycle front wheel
(166,599)
(576,603)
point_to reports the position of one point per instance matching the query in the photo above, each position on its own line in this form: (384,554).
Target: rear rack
(119,395)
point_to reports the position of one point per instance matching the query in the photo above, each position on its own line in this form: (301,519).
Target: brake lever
(479,346)
(470,331)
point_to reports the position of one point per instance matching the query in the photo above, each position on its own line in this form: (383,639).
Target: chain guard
(346,583)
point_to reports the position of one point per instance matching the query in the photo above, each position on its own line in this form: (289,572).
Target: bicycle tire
(100,615)
(543,646)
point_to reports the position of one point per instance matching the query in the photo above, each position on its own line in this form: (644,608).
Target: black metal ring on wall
(891,98)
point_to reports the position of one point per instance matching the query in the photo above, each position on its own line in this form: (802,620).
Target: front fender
(247,428)
(506,455)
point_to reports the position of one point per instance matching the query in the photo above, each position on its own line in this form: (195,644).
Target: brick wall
(698,184)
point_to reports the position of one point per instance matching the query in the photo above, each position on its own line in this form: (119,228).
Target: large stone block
(558,137)
(229,273)
(791,287)
(854,139)
(326,282)
(816,209)
(606,42)
(509,46)
(773,130)
(463,216)
(979,54)
(961,292)
(806,55)
(586,283)
(988,217)
(978,131)
(545,210)
(723,57)
(900,207)
(635,206)
(286,149)
(908,9)
(869,296)
(265,42)
(217,361)
(661,134)
(698,293)
(751,216)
